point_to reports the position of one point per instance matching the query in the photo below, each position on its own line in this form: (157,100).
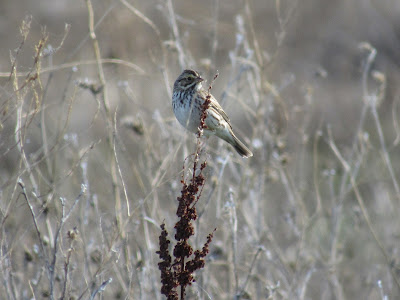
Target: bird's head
(188,79)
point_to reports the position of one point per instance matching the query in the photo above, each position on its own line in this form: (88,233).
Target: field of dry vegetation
(92,157)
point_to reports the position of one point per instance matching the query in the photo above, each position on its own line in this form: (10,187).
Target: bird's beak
(199,79)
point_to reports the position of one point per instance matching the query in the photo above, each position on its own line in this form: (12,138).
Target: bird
(188,98)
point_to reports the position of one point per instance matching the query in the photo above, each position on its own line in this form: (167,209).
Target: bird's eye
(190,78)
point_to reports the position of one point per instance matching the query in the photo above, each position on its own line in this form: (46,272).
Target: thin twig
(244,286)
(182,56)
(41,244)
(363,207)
(49,51)
(118,166)
(66,272)
(101,288)
(82,63)
(231,205)
(373,100)
(109,117)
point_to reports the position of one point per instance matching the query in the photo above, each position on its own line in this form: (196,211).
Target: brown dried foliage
(180,272)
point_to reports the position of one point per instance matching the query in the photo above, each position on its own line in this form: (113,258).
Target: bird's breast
(187,115)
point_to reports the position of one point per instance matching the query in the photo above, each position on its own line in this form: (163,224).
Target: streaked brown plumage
(187,98)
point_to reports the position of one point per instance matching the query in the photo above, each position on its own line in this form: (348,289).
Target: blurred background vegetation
(91,156)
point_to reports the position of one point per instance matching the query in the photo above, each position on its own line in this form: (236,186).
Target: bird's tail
(239,146)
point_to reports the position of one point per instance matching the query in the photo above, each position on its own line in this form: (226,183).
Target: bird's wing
(215,106)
